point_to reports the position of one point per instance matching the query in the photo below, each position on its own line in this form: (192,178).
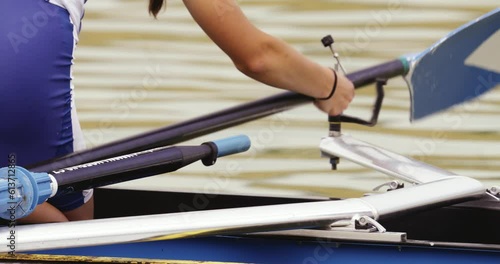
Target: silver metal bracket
(367,223)
(392,185)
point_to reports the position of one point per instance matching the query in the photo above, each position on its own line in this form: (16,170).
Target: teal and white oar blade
(460,67)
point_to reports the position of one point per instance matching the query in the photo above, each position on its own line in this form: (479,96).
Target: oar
(436,83)
(460,67)
(21,190)
(365,211)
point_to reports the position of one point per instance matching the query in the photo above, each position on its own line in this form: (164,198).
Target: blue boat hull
(260,250)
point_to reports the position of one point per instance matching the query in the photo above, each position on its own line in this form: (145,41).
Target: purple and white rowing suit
(37,113)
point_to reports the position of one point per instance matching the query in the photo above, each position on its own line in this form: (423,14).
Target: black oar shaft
(180,132)
(35,188)
(386,71)
(128,167)
(213,122)
(145,163)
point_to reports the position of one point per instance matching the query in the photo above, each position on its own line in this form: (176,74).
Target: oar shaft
(128,167)
(386,70)
(21,191)
(179,132)
(146,163)
(212,122)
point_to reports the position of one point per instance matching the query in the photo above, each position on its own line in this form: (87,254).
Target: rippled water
(134,74)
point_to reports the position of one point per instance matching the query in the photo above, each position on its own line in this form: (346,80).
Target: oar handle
(224,147)
(232,145)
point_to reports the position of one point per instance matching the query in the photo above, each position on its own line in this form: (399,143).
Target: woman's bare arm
(266,58)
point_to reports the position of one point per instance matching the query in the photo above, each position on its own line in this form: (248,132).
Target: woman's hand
(341,98)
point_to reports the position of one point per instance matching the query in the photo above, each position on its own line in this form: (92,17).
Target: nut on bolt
(495,190)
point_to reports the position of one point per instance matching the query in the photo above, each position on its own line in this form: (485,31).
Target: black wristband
(333,88)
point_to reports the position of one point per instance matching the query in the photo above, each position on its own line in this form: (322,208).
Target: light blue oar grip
(232,145)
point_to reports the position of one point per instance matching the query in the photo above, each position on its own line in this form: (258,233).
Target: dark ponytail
(155,6)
